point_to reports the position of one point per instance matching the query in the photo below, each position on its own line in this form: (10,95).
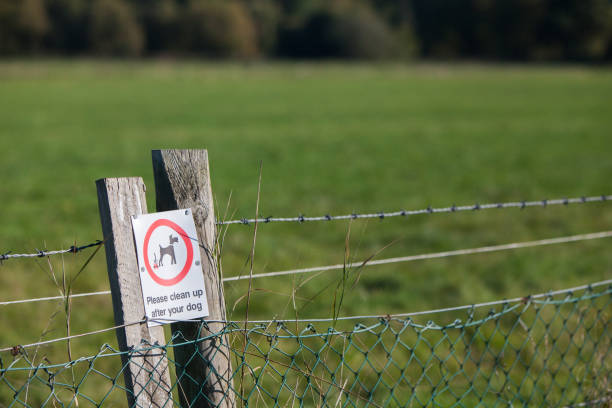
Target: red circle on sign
(183,234)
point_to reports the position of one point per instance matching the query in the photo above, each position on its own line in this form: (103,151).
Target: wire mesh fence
(547,351)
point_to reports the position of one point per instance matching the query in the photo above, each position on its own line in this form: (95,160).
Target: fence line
(428,210)
(410,258)
(517,300)
(381,215)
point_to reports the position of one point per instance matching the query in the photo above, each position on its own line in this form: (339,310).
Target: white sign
(169,266)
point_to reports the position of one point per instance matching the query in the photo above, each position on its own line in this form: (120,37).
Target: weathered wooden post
(203,369)
(146,373)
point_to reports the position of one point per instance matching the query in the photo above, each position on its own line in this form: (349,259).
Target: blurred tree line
(359,29)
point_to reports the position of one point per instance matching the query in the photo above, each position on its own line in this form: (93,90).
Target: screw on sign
(171,278)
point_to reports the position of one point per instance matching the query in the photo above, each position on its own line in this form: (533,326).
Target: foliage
(9,29)
(161,24)
(515,29)
(33,22)
(114,29)
(218,29)
(70,21)
(491,29)
(347,31)
(266,15)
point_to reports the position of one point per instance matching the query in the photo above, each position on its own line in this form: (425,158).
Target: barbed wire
(380,215)
(410,258)
(428,210)
(526,300)
(41,254)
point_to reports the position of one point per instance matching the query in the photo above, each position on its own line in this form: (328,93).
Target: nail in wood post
(146,374)
(182,180)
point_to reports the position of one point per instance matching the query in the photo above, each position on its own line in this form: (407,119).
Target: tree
(344,30)
(266,16)
(33,23)
(69,26)
(114,29)
(218,29)
(9,37)
(579,30)
(161,22)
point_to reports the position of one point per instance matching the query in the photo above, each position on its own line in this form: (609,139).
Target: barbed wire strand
(40,254)
(410,258)
(445,254)
(381,215)
(428,210)
(330,319)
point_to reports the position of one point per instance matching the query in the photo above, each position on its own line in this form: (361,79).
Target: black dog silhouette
(169,250)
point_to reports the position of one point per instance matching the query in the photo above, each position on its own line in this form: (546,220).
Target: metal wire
(42,299)
(506,302)
(73,336)
(41,254)
(435,255)
(446,309)
(445,254)
(380,215)
(551,351)
(428,210)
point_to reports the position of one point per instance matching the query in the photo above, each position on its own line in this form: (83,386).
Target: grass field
(331,139)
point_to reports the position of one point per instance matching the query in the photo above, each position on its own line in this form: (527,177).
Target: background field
(331,139)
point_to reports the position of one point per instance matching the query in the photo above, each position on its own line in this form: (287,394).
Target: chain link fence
(548,351)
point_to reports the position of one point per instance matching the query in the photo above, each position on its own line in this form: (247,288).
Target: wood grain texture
(182,180)
(146,374)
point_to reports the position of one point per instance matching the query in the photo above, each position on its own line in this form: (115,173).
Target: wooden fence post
(182,180)
(146,373)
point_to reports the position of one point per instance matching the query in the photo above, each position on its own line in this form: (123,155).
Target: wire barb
(4,257)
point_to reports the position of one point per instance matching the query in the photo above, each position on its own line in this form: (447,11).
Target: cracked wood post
(182,180)
(147,377)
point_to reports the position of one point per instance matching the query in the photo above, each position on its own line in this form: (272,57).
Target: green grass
(331,138)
